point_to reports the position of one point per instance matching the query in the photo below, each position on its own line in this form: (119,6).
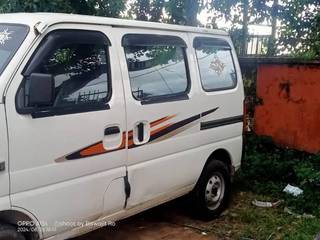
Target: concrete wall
(290,104)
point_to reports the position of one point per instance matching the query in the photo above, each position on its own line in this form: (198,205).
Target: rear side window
(157,66)
(216,66)
(78,61)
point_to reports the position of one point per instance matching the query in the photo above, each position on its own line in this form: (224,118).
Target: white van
(103,118)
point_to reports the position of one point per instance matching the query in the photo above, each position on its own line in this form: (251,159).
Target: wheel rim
(215,191)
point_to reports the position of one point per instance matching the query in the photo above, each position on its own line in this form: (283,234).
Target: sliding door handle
(111,131)
(140,127)
(141,132)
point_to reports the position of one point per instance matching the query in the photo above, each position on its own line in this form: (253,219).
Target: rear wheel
(9,232)
(211,194)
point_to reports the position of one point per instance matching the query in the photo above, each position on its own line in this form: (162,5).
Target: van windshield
(11,38)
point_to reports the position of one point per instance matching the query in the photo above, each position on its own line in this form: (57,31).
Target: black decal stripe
(170,129)
(209,112)
(77,155)
(174,127)
(221,122)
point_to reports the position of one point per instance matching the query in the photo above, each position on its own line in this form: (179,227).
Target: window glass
(78,61)
(11,38)
(216,67)
(156,71)
(80,74)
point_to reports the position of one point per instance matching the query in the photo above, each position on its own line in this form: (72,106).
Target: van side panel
(178,149)
(227,122)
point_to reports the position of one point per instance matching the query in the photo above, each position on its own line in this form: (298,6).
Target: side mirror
(41,90)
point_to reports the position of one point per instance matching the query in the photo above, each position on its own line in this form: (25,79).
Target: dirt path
(169,221)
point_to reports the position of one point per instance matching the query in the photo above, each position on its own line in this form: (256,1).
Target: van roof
(53,18)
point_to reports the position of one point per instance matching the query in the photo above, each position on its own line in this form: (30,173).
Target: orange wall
(290,109)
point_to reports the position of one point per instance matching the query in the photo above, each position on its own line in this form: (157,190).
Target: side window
(78,61)
(216,66)
(157,66)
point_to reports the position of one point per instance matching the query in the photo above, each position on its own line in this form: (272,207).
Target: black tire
(206,209)
(9,232)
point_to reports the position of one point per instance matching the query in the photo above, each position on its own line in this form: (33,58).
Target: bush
(267,169)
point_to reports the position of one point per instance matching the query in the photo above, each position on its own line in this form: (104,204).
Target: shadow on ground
(168,221)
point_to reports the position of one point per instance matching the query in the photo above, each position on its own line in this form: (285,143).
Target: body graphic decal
(92,150)
(157,134)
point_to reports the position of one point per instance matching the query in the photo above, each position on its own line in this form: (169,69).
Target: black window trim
(197,43)
(141,39)
(75,109)
(179,43)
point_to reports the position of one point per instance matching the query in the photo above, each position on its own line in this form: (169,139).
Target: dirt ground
(168,221)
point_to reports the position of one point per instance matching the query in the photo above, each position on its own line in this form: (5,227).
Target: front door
(4,173)
(65,154)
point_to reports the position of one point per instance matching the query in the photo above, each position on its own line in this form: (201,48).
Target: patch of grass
(305,230)
(267,169)
(243,221)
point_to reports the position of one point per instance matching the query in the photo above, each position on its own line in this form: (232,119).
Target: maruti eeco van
(103,118)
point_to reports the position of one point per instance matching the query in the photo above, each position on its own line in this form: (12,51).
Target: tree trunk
(192,7)
(245,26)
(272,39)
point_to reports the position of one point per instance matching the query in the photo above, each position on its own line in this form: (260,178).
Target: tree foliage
(182,12)
(299,32)
(300,29)
(108,8)
(147,10)
(233,10)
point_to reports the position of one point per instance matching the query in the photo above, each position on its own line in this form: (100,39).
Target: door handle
(111,131)
(140,127)
(141,132)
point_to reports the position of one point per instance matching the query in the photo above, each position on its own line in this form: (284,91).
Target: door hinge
(127,188)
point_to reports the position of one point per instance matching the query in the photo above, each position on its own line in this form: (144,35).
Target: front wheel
(9,232)
(211,194)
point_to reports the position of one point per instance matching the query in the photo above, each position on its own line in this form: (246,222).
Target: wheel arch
(223,156)
(13,217)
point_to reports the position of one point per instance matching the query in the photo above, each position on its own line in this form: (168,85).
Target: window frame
(40,53)
(142,39)
(215,42)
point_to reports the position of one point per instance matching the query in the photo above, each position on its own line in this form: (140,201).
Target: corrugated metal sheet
(290,105)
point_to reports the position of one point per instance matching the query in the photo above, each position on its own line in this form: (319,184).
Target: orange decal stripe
(130,143)
(161,120)
(93,150)
(99,148)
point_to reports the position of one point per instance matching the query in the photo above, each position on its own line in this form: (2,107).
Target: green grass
(243,221)
(266,169)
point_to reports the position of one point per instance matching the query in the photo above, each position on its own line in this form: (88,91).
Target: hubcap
(214,191)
